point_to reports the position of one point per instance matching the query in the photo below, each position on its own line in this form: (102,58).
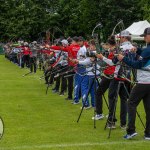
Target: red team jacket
(72,52)
(26,50)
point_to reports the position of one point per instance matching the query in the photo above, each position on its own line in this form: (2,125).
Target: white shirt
(81,55)
(126,46)
(90,67)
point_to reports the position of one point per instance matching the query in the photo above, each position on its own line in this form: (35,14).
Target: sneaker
(86,107)
(75,103)
(146,137)
(111,125)
(123,127)
(98,117)
(61,94)
(55,91)
(130,136)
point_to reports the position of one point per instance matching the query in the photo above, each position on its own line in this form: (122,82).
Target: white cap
(125,33)
(34,42)
(25,43)
(21,42)
(64,42)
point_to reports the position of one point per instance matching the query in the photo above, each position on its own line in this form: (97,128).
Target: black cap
(80,38)
(75,38)
(146,32)
(111,40)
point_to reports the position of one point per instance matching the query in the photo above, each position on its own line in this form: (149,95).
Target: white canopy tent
(137,28)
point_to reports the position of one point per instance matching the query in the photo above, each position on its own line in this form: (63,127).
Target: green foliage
(28,18)
(145,6)
(83,15)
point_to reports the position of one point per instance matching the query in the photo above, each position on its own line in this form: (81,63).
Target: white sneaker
(130,136)
(88,107)
(111,125)
(98,117)
(123,127)
(146,137)
(75,103)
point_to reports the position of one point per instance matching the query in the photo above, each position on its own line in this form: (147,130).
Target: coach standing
(142,88)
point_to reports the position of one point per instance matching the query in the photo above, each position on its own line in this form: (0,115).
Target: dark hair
(80,38)
(69,39)
(75,38)
(128,38)
(92,42)
(111,40)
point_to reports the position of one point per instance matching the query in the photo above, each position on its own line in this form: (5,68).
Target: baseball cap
(34,42)
(146,32)
(25,43)
(80,38)
(64,42)
(21,42)
(125,33)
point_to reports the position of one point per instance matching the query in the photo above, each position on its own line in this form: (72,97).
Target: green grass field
(36,121)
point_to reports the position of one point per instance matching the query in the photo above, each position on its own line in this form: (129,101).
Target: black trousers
(62,79)
(103,86)
(70,84)
(57,84)
(139,92)
(33,65)
(25,61)
(63,84)
(112,95)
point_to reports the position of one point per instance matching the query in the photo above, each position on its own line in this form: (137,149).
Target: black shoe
(68,98)
(61,94)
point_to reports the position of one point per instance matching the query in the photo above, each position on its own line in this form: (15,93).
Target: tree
(145,9)
(28,19)
(81,16)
